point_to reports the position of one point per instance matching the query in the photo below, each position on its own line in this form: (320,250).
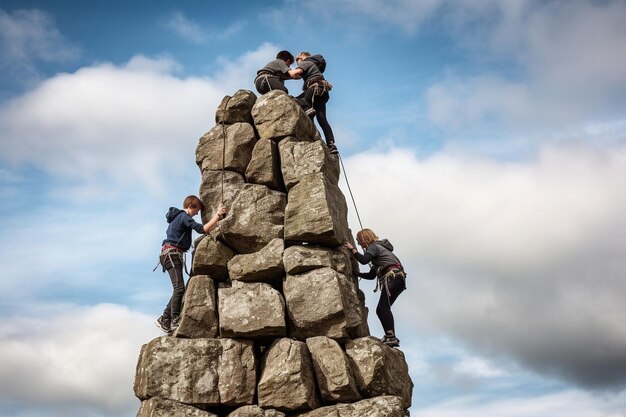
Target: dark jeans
(266,83)
(309,99)
(173,263)
(383,310)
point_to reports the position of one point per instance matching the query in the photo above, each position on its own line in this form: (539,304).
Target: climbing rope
(223,160)
(343,168)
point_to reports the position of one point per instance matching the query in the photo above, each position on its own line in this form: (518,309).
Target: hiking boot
(310,112)
(163,324)
(175,323)
(332,148)
(391,341)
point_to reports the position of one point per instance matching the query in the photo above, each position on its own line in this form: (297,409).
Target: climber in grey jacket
(391,277)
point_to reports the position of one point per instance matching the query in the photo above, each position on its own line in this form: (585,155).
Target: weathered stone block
(199,372)
(287,381)
(316,212)
(264,167)
(332,312)
(211,258)
(276,115)
(256,217)
(218,185)
(265,265)
(162,407)
(236,108)
(198,319)
(232,153)
(303,258)
(301,158)
(384,406)
(255,411)
(332,370)
(379,369)
(250,310)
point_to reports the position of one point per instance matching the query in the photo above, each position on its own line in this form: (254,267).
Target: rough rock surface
(265,265)
(301,158)
(287,381)
(199,372)
(379,369)
(330,313)
(218,186)
(316,212)
(211,258)
(332,370)
(198,318)
(264,167)
(249,310)
(162,407)
(298,259)
(255,411)
(260,218)
(236,108)
(384,406)
(233,153)
(276,115)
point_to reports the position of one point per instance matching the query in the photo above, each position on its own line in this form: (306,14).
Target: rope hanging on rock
(350,190)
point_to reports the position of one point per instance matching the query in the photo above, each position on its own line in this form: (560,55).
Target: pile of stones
(273,323)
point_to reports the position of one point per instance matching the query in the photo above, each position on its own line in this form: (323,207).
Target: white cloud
(523,260)
(81,360)
(28,37)
(129,125)
(571,403)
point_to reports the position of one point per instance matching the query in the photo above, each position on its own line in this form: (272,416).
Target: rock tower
(273,322)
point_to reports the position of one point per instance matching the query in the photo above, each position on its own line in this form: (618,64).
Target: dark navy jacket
(180,226)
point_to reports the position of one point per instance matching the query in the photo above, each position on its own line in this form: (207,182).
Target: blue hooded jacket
(179,229)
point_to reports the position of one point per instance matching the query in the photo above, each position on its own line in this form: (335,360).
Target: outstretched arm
(216,218)
(363,259)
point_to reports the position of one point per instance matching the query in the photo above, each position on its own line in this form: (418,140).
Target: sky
(485,139)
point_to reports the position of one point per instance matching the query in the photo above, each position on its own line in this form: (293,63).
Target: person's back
(273,75)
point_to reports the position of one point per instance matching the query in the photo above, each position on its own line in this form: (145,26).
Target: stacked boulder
(273,322)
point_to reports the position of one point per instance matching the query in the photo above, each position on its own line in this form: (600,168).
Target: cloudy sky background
(485,139)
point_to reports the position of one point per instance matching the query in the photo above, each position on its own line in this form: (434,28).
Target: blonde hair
(303,55)
(366,237)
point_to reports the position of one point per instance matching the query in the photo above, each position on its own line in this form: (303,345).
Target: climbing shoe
(332,148)
(391,341)
(163,324)
(310,112)
(175,323)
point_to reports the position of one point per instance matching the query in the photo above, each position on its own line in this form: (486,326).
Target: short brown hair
(366,237)
(193,202)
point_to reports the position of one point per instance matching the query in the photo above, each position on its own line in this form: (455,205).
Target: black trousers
(266,83)
(386,300)
(173,264)
(309,99)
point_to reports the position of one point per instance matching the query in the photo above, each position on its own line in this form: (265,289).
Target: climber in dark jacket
(177,242)
(391,277)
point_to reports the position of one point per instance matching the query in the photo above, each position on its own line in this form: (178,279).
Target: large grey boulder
(332,370)
(276,115)
(316,212)
(264,167)
(383,406)
(251,310)
(255,411)
(256,217)
(236,108)
(162,407)
(198,319)
(303,258)
(287,381)
(219,187)
(333,311)
(233,153)
(380,369)
(300,158)
(265,265)
(211,258)
(198,372)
